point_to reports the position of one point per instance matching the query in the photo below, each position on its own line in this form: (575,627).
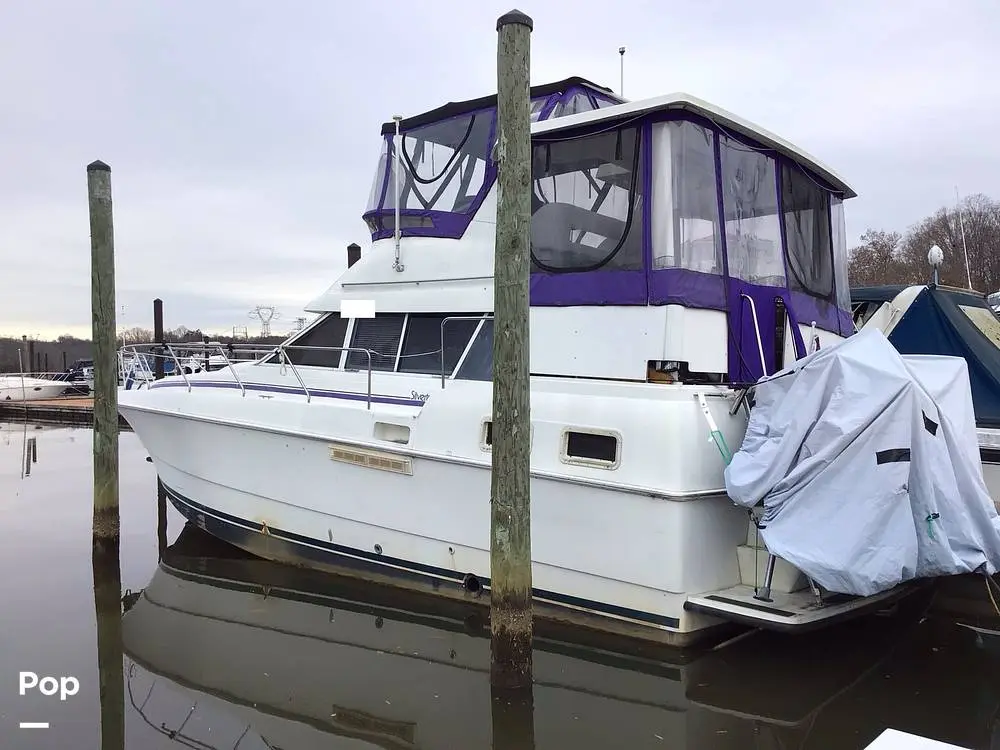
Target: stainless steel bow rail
(137,355)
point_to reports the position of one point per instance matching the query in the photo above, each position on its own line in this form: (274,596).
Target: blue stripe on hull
(244,533)
(288,390)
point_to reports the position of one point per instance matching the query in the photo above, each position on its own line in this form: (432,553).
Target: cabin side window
(806,211)
(586,210)
(328,331)
(685,216)
(381,336)
(750,204)
(421,352)
(478,363)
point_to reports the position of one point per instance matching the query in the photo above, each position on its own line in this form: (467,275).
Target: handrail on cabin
(756,328)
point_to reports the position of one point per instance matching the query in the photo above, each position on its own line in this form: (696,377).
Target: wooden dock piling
(158,338)
(510,519)
(102,285)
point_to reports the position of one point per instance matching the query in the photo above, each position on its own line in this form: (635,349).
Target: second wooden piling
(102,285)
(510,520)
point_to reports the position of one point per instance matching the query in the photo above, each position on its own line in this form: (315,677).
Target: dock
(64,410)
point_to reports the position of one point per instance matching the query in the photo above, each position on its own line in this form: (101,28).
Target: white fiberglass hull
(396,489)
(12,388)
(610,549)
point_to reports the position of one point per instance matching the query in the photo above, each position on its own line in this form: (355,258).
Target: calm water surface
(219,650)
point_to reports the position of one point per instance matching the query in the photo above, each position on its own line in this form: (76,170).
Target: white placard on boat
(357,308)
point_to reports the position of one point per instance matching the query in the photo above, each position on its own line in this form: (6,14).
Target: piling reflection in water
(108,607)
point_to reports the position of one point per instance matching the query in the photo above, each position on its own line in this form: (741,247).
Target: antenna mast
(961,223)
(621,85)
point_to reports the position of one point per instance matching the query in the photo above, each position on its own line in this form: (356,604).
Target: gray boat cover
(868,467)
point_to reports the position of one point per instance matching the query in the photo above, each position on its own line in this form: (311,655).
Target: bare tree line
(889,257)
(36,355)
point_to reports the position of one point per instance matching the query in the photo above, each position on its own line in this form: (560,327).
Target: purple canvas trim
(744,352)
(588,288)
(798,343)
(680,286)
(808,309)
(846,323)
(446,224)
(549,105)
(290,390)
(646,192)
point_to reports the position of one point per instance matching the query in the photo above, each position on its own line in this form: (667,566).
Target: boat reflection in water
(278,657)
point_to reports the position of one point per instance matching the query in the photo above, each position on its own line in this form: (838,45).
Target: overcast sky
(243,136)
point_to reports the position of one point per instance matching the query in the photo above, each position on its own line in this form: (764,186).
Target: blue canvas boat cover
(953,322)
(867,465)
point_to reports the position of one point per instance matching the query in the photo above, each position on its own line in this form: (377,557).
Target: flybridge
(446,158)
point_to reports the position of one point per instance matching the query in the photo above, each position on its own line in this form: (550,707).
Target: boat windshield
(442,169)
(445,162)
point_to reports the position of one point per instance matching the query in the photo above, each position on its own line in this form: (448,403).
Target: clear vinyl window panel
(686,232)
(586,203)
(806,211)
(442,165)
(838,234)
(750,208)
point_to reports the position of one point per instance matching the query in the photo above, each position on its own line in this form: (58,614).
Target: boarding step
(752,558)
(797,611)
(786,579)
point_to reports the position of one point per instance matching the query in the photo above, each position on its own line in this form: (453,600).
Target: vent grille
(372,459)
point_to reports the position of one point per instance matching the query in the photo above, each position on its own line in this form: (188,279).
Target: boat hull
(603,559)
(32,390)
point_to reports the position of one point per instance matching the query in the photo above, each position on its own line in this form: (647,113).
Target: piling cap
(515,16)
(98,166)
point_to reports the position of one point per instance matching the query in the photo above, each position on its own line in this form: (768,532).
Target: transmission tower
(265,313)
(300,323)
(240,332)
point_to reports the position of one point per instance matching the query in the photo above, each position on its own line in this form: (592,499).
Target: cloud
(243,138)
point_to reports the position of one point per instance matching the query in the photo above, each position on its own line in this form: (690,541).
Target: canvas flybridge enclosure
(867,465)
(667,201)
(446,156)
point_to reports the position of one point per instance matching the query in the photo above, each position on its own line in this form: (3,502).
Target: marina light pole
(102,300)
(621,72)
(510,500)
